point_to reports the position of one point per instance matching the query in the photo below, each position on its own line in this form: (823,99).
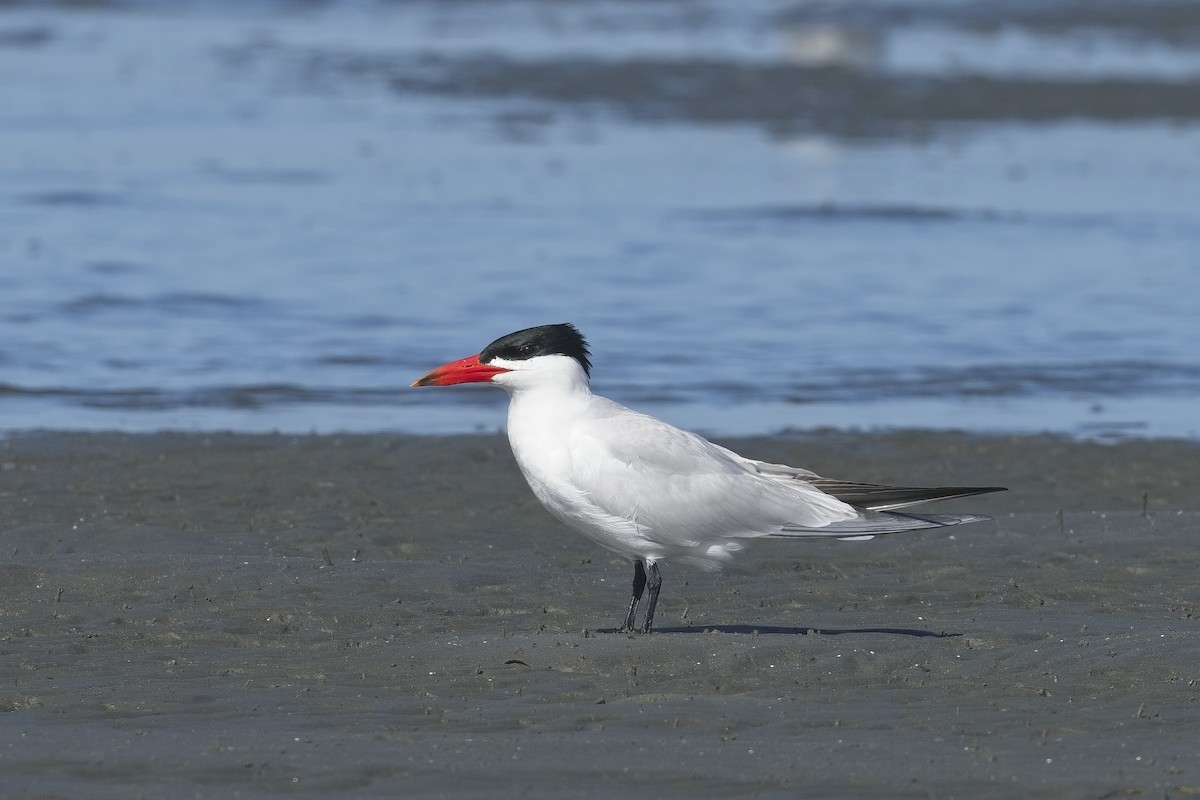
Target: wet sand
(385,616)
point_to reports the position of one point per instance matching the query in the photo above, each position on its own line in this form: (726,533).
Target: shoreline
(387,614)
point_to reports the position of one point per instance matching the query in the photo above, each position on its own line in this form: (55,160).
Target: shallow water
(764,216)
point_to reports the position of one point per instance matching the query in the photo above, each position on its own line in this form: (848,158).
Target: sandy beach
(223,615)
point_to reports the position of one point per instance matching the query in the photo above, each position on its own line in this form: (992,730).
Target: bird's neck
(539,419)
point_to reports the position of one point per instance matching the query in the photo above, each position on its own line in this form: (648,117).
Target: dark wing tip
(877,497)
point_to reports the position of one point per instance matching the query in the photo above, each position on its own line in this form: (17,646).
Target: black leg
(639,585)
(655,583)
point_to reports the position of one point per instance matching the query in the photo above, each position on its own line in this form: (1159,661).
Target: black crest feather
(544,340)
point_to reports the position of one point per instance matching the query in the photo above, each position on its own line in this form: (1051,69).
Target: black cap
(544,340)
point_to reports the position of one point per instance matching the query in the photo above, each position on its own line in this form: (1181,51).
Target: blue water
(274,217)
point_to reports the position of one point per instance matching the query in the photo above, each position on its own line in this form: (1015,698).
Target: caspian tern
(652,492)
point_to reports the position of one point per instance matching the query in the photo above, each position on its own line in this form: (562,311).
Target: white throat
(547,396)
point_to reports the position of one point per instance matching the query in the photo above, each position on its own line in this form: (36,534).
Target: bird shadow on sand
(787,630)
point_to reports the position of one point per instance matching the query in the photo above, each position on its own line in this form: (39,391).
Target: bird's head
(518,359)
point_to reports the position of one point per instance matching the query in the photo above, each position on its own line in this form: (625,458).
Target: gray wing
(878,503)
(681,489)
(874,496)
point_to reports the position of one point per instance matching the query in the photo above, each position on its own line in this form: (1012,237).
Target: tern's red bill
(465,370)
